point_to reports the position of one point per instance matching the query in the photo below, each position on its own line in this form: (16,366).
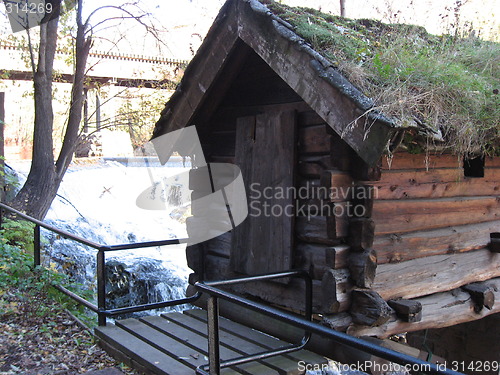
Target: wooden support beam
(407,310)
(393,248)
(325,229)
(364,172)
(194,255)
(492,161)
(340,154)
(439,310)
(313,166)
(435,183)
(363,267)
(220,246)
(317,259)
(314,140)
(330,303)
(434,274)
(482,295)
(494,244)
(415,177)
(316,229)
(368,308)
(399,216)
(361,234)
(308,118)
(362,200)
(425,161)
(338,184)
(471,187)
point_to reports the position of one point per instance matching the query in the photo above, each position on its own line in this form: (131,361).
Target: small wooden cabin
(394,245)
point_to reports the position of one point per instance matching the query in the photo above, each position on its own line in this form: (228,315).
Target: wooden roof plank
(310,75)
(201,73)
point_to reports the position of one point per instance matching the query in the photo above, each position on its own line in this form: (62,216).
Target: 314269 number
(28,8)
(477,366)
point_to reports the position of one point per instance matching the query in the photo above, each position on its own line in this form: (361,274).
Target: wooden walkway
(176,343)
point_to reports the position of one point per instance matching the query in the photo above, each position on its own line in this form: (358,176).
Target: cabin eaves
(313,77)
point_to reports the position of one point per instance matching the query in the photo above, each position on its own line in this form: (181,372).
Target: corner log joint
(481,294)
(407,310)
(369,309)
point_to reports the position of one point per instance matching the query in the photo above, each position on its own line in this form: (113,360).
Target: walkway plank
(166,344)
(281,364)
(151,358)
(255,336)
(198,342)
(175,344)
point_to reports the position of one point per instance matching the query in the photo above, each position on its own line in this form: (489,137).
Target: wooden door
(266,154)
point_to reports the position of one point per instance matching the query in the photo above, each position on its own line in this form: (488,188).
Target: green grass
(446,83)
(19,276)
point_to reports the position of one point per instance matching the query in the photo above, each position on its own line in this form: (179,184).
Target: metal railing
(210,288)
(100,308)
(215,365)
(214,292)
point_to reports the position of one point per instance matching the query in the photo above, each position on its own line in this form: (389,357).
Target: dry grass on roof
(446,83)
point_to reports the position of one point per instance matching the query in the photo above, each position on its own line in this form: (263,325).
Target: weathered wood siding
(316,236)
(424,227)
(433,225)
(431,236)
(265,152)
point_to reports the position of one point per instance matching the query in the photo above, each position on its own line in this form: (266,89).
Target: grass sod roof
(442,89)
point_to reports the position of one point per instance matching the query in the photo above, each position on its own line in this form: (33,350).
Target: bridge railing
(215,291)
(100,308)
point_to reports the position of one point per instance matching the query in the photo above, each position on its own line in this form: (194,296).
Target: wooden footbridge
(201,342)
(176,344)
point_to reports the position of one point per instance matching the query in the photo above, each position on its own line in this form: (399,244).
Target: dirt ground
(46,341)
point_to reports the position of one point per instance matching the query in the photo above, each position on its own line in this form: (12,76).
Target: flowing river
(97,201)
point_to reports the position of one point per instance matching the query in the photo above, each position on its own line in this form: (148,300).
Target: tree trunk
(45,175)
(41,186)
(2,150)
(342,8)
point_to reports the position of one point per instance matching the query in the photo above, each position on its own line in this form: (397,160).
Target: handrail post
(213,335)
(101,286)
(36,246)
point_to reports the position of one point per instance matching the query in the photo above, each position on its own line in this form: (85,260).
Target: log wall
(319,239)
(426,208)
(375,239)
(431,238)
